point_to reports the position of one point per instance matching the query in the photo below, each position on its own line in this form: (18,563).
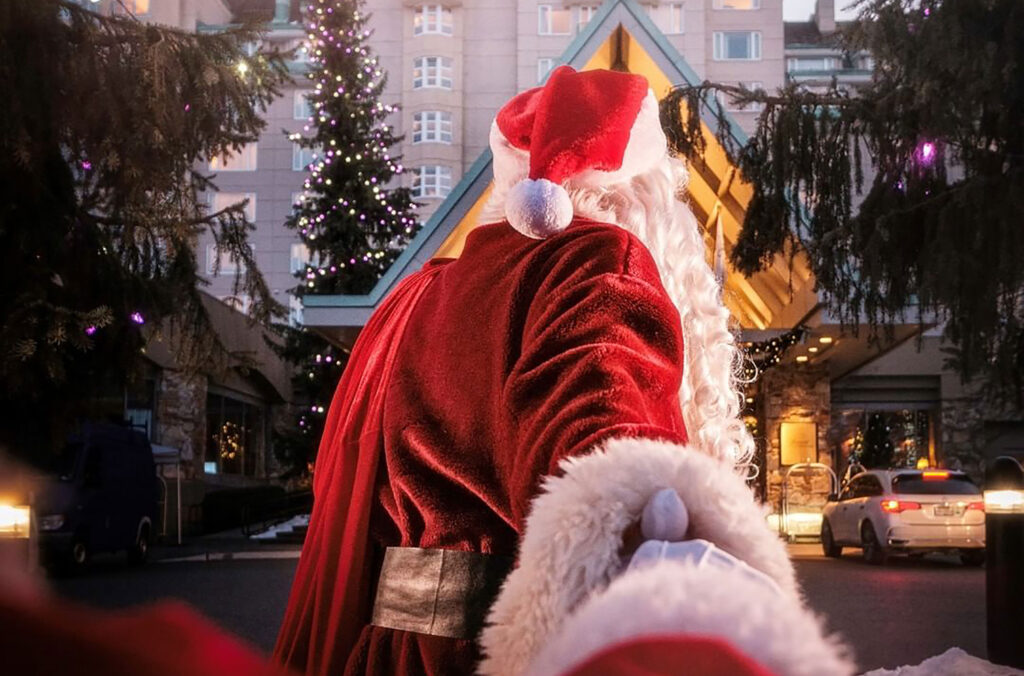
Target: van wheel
(79,553)
(828,541)
(874,552)
(140,550)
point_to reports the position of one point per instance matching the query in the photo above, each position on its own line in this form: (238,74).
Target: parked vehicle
(906,512)
(102,497)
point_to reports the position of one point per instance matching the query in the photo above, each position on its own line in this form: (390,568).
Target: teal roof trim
(453,206)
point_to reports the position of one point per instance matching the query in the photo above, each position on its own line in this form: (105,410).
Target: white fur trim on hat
(570,545)
(538,209)
(674,598)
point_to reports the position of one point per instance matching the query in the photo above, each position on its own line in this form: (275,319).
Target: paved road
(900,614)
(247,597)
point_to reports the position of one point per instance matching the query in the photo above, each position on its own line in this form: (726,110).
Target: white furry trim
(674,598)
(538,209)
(570,545)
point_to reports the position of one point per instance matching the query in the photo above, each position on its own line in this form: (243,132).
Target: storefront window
(234,436)
(876,438)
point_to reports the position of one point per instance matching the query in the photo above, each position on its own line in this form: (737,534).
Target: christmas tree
(351,217)
(878,449)
(106,121)
(353,221)
(938,229)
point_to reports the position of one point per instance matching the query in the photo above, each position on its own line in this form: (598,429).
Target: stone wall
(797,393)
(970,427)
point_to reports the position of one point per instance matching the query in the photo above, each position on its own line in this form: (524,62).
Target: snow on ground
(285,527)
(953,662)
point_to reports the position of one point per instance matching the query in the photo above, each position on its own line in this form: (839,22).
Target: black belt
(440,592)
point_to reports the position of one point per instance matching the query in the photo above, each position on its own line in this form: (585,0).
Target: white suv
(906,511)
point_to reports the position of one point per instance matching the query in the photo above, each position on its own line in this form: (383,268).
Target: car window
(856,488)
(872,487)
(914,484)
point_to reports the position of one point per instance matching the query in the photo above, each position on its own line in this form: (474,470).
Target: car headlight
(14,521)
(51,522)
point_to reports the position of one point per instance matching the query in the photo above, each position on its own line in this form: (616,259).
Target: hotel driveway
(899,614)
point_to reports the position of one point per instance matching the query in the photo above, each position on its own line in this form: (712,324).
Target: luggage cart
(803,523)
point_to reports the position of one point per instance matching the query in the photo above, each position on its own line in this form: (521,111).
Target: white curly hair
(650,206)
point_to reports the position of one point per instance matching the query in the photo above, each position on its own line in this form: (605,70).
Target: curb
(234,556)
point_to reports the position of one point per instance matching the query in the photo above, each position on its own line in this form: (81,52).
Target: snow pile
(285,527)
(953,662)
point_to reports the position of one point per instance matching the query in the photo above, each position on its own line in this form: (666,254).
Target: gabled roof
(622,36)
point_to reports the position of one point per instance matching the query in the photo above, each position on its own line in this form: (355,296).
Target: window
(805,64)
(235,436)
(222,200)
(917,484)
(667,16)
(432,181)
(136,7)
(432,126)
(301,257)
(432,72)
(553,21)
(544,67)
(584,13)
(737,46)
(733,107)
(294,311)
(302,106)
(302,157)
(220,262)
(432,20)
(737,4)
(240,302)
(242,160)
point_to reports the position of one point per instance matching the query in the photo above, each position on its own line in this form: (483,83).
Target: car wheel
(79,553)
(972,557)
(828,542)
(874,552)
(140,550)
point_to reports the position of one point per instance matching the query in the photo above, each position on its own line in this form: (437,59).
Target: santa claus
(507,417)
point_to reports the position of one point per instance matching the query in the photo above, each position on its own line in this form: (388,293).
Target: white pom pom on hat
(597,126)
(538,209)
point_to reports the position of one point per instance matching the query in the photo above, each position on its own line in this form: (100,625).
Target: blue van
(102,497)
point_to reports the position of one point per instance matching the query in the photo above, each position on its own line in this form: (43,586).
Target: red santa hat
(597,127)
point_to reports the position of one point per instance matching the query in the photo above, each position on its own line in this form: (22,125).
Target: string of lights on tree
(353,221)
(353,224)
(762,355)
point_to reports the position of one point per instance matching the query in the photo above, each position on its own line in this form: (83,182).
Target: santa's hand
(701,554)
(665,517)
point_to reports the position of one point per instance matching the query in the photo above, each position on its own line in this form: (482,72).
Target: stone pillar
(795,393)
(181,417)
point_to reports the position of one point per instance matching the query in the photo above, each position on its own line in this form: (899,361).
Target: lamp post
(1004,550)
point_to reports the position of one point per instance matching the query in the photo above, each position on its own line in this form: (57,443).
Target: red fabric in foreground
(670,656)
(329,601)
(516,355)
(169,639)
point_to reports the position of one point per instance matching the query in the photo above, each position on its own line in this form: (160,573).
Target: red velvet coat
(470,384)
